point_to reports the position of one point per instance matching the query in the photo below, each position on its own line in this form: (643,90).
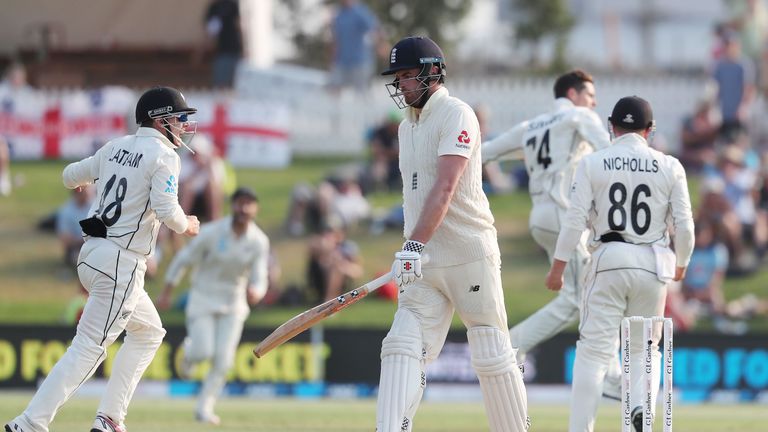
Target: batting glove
(407,265)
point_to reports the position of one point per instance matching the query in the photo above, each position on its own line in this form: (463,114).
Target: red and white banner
(73,125)
(251,133)
(63,125)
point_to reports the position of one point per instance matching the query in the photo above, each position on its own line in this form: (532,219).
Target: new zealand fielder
(628,195)
(135,179)
(230,259)
(552,145)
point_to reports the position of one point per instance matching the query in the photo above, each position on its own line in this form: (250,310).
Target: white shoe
(103,423)
(186,369)
(211,418)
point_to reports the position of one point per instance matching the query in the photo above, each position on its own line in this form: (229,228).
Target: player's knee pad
(402,375)
(500,379)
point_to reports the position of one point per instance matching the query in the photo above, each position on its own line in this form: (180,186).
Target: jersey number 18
(116,206)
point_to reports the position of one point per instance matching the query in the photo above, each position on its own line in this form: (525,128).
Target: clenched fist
(193,226)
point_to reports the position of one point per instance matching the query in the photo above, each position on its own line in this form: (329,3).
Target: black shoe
(637,418)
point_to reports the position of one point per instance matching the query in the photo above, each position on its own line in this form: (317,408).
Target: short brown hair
(574,79)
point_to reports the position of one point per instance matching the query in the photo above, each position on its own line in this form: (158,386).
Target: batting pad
(403,378)
(501,382)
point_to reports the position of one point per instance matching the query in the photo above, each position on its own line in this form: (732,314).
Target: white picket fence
(326,124)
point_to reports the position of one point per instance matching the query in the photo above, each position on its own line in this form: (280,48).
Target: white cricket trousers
(114,278)
(621,282)
(563,310)
(214,337)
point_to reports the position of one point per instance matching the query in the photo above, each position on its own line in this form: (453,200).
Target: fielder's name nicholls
(630,164)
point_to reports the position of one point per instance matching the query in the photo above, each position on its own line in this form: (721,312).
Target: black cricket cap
(244,192)
(414,52)
(632,113)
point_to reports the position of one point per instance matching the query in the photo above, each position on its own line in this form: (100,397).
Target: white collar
(434,99)
(152,132)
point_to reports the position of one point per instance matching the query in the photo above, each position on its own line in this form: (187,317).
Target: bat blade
(312,316)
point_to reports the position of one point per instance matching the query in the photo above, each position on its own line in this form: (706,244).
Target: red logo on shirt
(464,137)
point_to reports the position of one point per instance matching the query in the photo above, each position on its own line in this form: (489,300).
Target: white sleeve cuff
(566,243)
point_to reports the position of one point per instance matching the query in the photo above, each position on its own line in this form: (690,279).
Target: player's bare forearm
(450,168)
(433,213)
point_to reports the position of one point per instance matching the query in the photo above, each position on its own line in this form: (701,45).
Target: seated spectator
(699,134)
(68,220)
(202,179)
(384,171)
(747,306)
(683,314)
(5,168)
(736,185)
(392,218)
(337,197)
(495,180)
(202,190)
(334,262)
(70,234)
(703,281)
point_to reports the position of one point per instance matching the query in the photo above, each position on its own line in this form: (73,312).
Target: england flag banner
(69,125)
(74,124)
(250,132)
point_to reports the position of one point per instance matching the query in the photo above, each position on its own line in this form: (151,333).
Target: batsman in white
(552,144)
(230,258)
(628,195)
(135,179)
(448,219)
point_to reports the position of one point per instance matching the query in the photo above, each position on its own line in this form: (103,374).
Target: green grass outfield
(35,286)
(293,415)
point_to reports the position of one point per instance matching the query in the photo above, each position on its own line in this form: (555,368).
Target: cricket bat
(310,317)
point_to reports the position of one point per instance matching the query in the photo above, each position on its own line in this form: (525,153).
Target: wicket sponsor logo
(668,409)
(668,358)
(626,362)
(649,356)
(627,410)
(647,418)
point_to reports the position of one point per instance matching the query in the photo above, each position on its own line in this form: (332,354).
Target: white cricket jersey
(634,190)
(553,143)
(136,188)
(224,266)
(446,126)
